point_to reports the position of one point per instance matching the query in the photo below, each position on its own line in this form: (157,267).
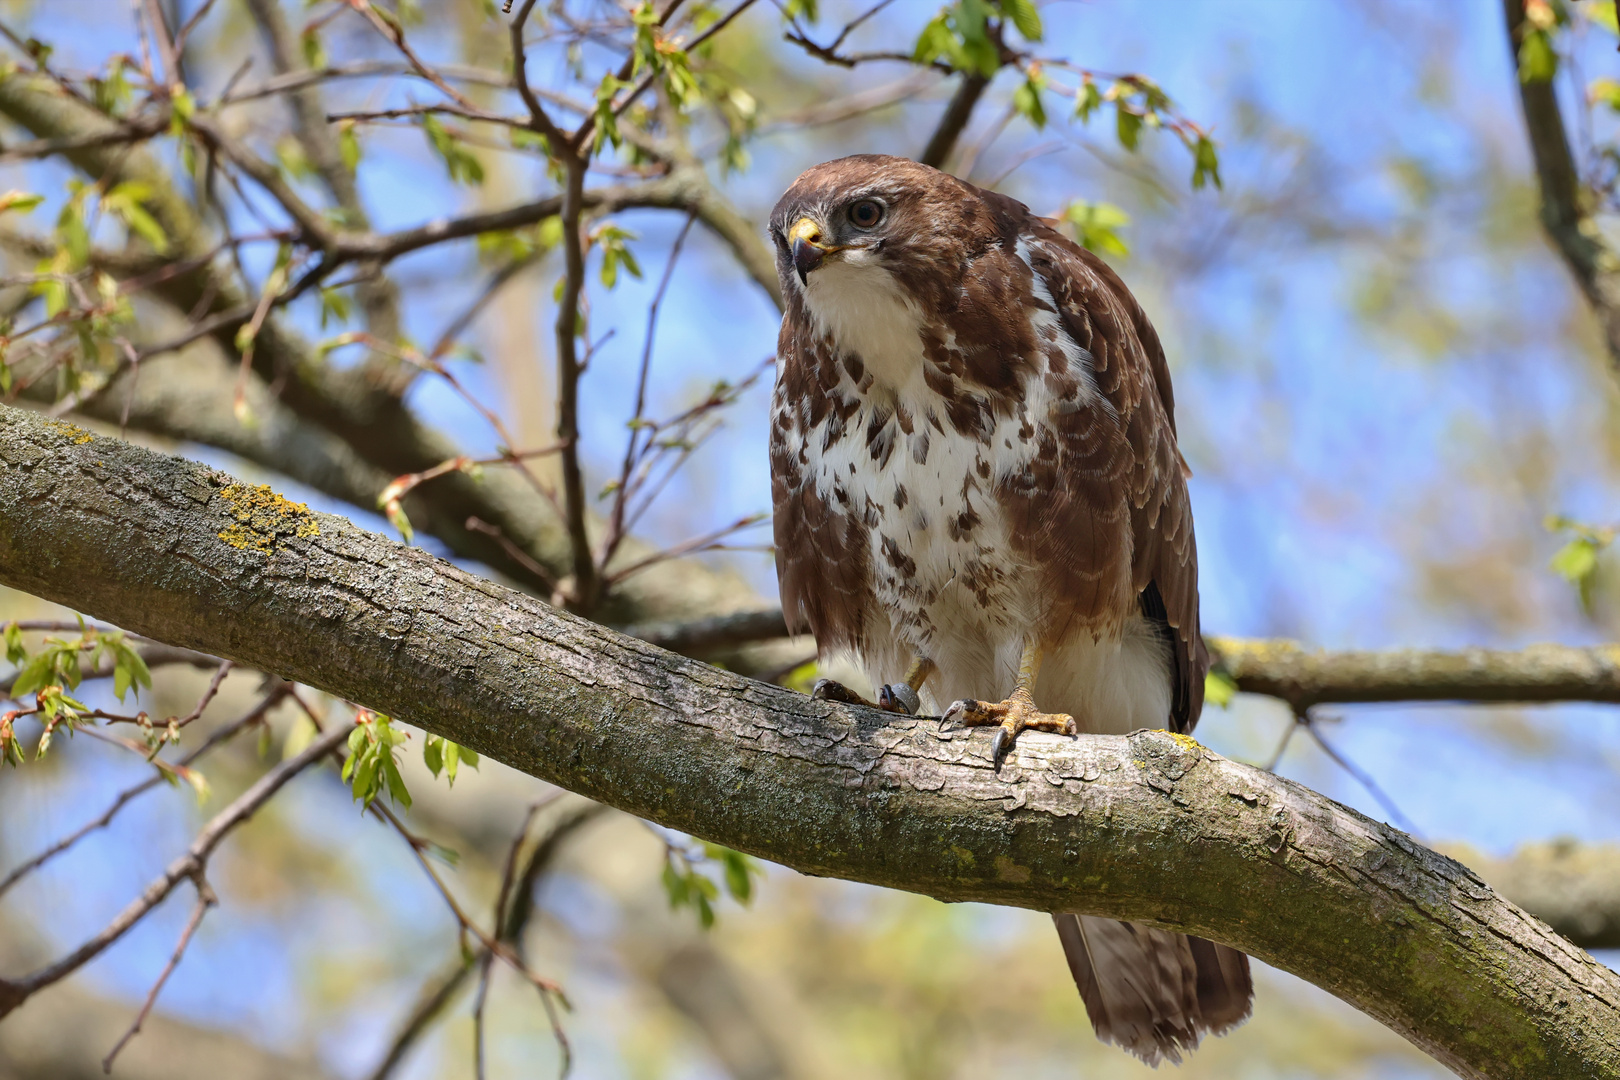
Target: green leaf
(72,234)
(35,675)
(461,164)
(736,868)
(19,200)
(126,201)
(808,10)
(371,766)
(1027,101)
(1025,17)
(302,734)
(1604,92)
(1576,560)
(1096,224)
(607,124)
(936,41)
(335,305)
(1128,125)
(675,884)
(16,653)
(292,159)
(314,51)
(615,253)
(146,227)
(1088,99)
(433,755)
(396,782)
(184,106)
(1219,689)
(348,145)
(111,94)
(1538,61)
(1602,13)
(1206,163)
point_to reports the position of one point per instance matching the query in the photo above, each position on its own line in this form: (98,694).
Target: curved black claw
(964,711)
(898,698)
(1000,744)
(832,690)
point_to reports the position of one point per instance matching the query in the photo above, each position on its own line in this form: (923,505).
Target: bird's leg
(1014,714)
(892,697)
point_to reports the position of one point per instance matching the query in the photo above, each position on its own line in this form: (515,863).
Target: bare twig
(511,923)
(159,28)
(1568,223)
(1361,777)
(541,120)
(205,900)
(225,734)
(585,584)
(706,542)
(615,531)
(391,29)
(957,115)
(214,684)
(14,992)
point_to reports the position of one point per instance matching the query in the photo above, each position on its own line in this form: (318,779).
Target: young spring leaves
(372,764)
(687,883)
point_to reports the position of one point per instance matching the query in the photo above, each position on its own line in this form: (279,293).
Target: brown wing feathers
(1099,313)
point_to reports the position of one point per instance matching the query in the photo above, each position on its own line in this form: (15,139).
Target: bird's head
(860,214)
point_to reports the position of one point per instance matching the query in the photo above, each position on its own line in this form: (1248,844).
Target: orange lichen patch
(72,431)
(263,517)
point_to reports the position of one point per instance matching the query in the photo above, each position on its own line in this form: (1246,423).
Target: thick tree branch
(1305,677)
(1147,827)
(1574,888)
(1566,208)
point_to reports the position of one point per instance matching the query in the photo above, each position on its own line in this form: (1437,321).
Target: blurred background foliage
(1386,387)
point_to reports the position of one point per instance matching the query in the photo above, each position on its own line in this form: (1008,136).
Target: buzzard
(978,494)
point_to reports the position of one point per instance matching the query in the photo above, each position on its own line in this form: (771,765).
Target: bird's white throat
(865,311)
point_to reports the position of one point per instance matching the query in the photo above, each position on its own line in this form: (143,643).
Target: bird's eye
(866,213)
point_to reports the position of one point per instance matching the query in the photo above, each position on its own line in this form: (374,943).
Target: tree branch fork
(1149,827)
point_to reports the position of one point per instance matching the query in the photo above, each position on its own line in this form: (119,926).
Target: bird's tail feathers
(1153,992)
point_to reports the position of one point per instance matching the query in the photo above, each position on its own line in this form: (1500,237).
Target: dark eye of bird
(866,213)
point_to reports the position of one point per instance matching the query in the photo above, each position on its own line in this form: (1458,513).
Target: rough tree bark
(1148,827)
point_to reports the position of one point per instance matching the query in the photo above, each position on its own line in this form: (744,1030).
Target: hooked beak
(808,250)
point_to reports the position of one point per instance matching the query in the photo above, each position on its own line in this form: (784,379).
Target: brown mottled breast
(822,550)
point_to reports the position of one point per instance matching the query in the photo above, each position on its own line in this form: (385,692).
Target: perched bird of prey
(979,495)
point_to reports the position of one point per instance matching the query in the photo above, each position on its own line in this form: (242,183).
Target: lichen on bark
(1143,827)
(263,517)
